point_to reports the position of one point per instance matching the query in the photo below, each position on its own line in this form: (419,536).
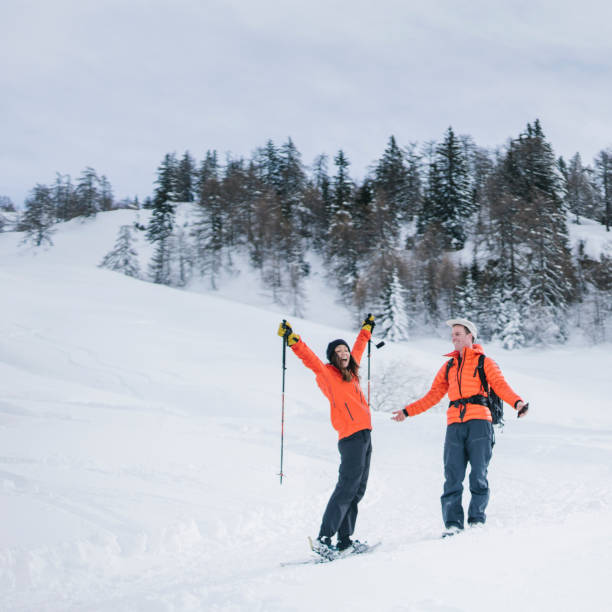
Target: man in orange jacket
(350,417)
(469,432)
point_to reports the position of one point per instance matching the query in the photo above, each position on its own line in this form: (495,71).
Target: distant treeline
(446,228)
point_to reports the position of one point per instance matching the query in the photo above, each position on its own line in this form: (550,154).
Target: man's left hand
(522,409)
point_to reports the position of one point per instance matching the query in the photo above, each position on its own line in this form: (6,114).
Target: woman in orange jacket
(469,432)
(350,417)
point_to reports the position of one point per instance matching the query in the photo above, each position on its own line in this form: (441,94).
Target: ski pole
(369,354)
(379,345)
(283,403)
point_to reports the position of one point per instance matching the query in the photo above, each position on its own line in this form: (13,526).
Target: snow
(140,449)
(591,234)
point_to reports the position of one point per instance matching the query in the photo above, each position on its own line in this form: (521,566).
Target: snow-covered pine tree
(455,205)
(238,193)
(466,296)
(38,217)
(6,204)
(395,324)
(341,244)
(448,200)
(208,227)
(365,220)
(106,199)
(428,214)
(427,257)
(294,217)
(123,257)
(162,220)
(269,164)
(531,221)
(182,257)
(391,187)
(603,165)
(414,184)
(209,168)
(64,197)
(318,203)
(511,333)
(578,190)
(88,196)
(594,312)
(185,179)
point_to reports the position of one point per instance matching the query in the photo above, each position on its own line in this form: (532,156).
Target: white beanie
(465,323)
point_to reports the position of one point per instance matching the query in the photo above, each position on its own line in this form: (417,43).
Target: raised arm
(362,339)
(309,359)
(299,347)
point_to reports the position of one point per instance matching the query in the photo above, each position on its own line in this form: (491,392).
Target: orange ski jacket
(349,408)
(463,382)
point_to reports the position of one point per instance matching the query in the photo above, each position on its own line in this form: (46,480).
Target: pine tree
(209,168)
(428,255)
(38,217)
(395,323)
(162,220)
(342,245)
(64,198)
(182,257)
(6,204)
(123,257)
(88,193)
(318,203)
(511,333)
(414,184)
(578,190)
(365,219)
(106,199)
(391,186)
(448,200)
(342,186)
(466,297)
(455,203)
(530,219)
(185,183)
(480,166)
(237,203)
(291,189)
(430,214)
(209,226)
(603,163)
(269,164)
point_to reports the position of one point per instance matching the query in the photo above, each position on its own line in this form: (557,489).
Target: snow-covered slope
(139,452)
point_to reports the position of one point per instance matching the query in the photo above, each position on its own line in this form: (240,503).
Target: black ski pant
(471,442)
(341,512)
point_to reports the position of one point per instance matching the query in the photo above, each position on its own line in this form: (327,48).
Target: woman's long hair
(347,373)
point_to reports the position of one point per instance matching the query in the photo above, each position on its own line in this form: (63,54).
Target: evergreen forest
(446,228)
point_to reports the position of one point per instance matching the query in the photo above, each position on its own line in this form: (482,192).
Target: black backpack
(494,402)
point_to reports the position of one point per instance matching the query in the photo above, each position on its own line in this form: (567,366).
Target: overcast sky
(117,84)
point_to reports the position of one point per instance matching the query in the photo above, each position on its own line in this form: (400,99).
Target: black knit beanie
(331,347)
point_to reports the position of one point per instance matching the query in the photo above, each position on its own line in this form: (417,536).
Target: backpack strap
(481,373)
(449,365)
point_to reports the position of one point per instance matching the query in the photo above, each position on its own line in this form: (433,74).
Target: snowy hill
(140,438)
